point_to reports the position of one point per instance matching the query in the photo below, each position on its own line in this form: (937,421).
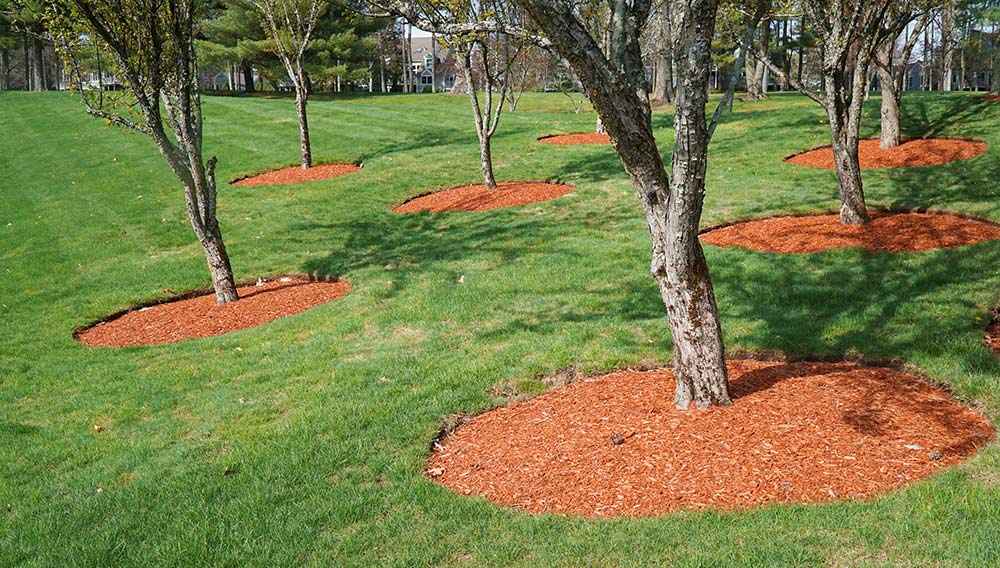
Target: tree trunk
(661,79)
(678,263)
(300,107)
(218,264)
(26,54)
(672,205)
(4,69)
(485,152)
(757,84)
(845,152)
(248,77)
(38,64)
(947,44)
(889,136)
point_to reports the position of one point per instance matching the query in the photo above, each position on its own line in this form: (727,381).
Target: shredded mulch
(580,138)
(200,316)
(994,98)
(295,174)
(887,232)
(796,433)
(992,339)
(478,198)
(909,154)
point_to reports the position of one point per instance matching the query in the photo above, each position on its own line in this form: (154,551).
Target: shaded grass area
(302,442)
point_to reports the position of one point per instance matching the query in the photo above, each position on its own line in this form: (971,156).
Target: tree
(661,42)
(479,33)
(231,34)
(851,31)
(616,83)
(8,41)
(290,25)
(154,58)
(891,75)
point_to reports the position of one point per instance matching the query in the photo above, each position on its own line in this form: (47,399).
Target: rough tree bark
(891,82)
(155,60)
(301,100)
(663,85)
(947,44)
(889,135)
(672,204)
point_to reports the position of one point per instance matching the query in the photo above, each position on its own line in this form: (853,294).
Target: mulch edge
(547,136)
(194,293)
(433,191)
(885,210)
(357,163)
(451,422)
(903,141)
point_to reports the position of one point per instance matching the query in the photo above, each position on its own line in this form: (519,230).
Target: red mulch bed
(295,174)
(478,198)
(200,316)
(909,154)
(797,432)
(887,232)
(994,98)
(580,138)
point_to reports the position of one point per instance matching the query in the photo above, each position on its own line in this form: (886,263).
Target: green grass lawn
(323,420)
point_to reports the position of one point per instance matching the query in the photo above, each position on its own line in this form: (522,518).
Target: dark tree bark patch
(887,232)
(479,198)
(909,154)
(802,432)
(579,138)
(196,315)
(295,174)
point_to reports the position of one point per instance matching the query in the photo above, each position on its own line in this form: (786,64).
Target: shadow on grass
(881,305)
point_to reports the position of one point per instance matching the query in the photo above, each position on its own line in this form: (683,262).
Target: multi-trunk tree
(850,31)
(153,57)
(480,34)
(614,75)
(290,25)
(891,60)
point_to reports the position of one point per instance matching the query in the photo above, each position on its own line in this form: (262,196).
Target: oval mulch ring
(478,198)
(887,232)
(295,174)
(192,316)
(796,433)
(580,138)
(910,154)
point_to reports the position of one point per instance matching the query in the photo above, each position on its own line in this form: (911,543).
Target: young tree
(616,83)
(851,31)
(154,58)
(478,32)
(290,25)
(488,57)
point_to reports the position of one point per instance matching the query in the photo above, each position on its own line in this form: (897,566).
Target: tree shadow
(882,305)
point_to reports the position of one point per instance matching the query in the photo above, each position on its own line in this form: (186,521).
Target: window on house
(426,80)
